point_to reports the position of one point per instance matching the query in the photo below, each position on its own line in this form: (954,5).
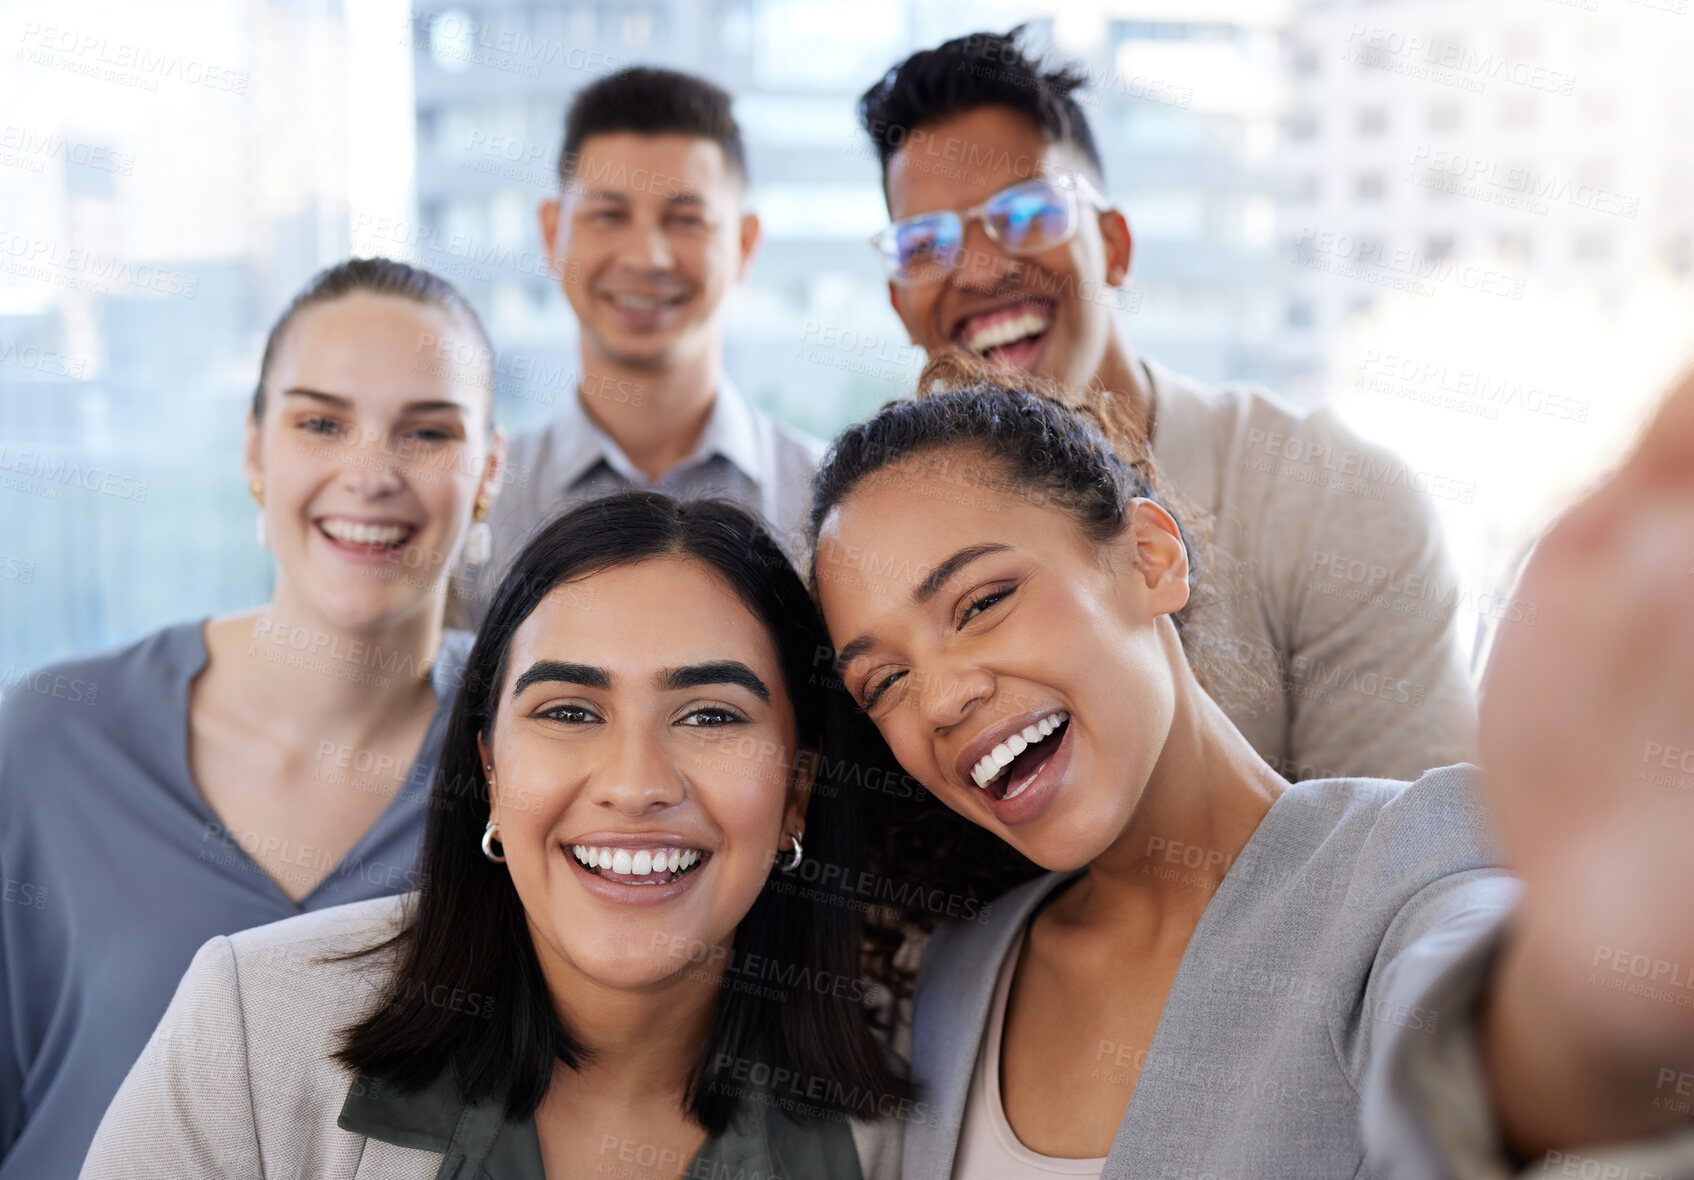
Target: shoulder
(104,690)
(299,965)
(978,941)
(447,673)
(1371,844)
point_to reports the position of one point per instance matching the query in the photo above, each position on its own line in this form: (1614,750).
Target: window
(1593,245)
(1373,121)
(1299,314)
(1370,186)
(1302,126)
(1446,116)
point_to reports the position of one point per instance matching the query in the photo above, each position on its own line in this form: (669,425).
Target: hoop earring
(488,836)
(798,854)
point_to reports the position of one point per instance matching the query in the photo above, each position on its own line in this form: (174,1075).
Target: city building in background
(1466,228)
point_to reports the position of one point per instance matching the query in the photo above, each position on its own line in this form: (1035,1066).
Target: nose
(982,266)
(372,471)
(949,693)
(649,248)
(636,778)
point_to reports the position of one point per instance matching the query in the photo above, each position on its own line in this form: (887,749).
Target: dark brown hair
(650,101)
(466,934)
(375,276)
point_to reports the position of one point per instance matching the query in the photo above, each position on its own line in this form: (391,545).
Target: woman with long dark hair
(610,966)
(1202,969)
(231,771)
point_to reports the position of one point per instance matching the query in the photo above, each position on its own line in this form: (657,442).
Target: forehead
(633,620)
(955,162)
(377,349)
(899,523)
(659,167)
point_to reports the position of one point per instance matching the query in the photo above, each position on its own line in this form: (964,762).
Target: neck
(655,413)
(1203,801)
(642,1041)
(1120,375)
(311,678)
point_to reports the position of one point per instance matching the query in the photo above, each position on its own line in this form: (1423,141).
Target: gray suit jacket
(1320,1024)
(237,1083)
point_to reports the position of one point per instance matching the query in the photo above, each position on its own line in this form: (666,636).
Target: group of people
(998,793)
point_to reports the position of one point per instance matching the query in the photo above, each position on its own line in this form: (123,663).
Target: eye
(433,434)
(318,424)
(982,602)
(688,221)
(606,215)
(712,716)
(877,686)
(570,714)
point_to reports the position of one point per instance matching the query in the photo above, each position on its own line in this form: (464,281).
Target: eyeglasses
(1027,218)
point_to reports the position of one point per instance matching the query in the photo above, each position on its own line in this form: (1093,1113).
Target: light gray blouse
(1320,1023)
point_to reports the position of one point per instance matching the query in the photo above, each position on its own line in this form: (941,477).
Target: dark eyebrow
(315,395)
(334,399)
(715,672)
(938,576)
(563,672)
(854,650)
(925,591)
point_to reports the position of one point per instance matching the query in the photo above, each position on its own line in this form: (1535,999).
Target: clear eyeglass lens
(1030,217)
(926,247)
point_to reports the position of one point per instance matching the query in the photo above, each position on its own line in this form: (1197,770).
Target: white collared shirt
(743,456)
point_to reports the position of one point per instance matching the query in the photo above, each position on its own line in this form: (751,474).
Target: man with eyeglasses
(1330,586)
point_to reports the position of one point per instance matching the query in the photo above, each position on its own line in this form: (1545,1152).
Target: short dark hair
(651,101)
(375,276)
(982,69)
(466,929)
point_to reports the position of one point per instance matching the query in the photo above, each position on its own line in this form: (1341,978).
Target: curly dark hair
(979,70)
(1082,453)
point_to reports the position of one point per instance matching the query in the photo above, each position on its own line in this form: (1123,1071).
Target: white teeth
(996,760)
(640,863)
(365,534)
(1005,331)
(640,302)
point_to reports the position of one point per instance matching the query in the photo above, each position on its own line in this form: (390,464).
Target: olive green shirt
(479,1141)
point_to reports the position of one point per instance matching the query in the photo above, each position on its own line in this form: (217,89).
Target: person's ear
(548,217)
(750,231)
(493,466)
(800,784)
(1119,244)
(485,760)
(252,453)
(1154,557)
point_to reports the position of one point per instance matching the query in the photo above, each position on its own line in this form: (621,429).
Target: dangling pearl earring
(257,488)
(479,540)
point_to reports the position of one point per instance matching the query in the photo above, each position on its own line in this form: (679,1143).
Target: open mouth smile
(365,538)
(1007,335)
(1006,771)
(658,865)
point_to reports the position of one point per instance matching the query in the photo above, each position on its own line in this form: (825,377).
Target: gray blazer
(237,1082)
(1320,1024)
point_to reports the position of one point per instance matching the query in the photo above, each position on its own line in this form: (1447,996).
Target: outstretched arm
(1586,1032)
